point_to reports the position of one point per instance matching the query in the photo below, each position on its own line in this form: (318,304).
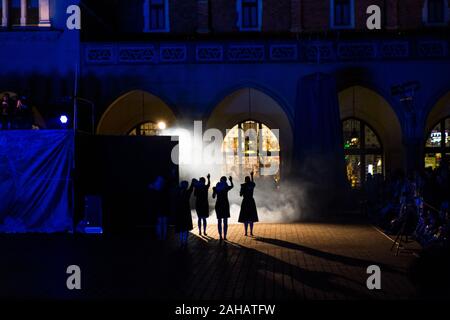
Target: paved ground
(283,261)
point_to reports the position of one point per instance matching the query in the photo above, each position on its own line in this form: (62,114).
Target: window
(363,151)
(249,15)
(14,13)
(156,14)
(146,129)
(437,145)
(435,12)
(33,12)
(342,14)
(242,148)
(24,13)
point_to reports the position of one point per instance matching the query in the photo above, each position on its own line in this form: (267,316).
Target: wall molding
(261,52)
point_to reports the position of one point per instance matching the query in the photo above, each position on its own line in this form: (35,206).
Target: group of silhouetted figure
(170,199)
(418,200)
(14,113)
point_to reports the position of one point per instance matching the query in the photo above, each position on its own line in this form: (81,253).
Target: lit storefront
(436,148)
(251,146)
(363,151)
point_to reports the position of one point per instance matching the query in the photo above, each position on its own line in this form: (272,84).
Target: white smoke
(280,204)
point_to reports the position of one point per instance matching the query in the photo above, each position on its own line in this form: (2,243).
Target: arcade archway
(247,112)
(135,112)
(251,146)
(376,121)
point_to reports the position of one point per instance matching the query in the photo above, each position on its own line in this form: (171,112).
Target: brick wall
(410,15)
(223,15)
(276,15)
(315,14)
(183,16)
(220,16)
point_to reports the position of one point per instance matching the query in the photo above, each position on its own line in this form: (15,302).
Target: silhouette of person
(159,195)
(248,215)
(222,205)
(5,111)
(183,218)
(201,202)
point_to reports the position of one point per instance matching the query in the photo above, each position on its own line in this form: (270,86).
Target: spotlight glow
(162,125)
(63,119)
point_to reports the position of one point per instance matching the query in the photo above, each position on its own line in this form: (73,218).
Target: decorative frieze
(394,49)
(100,55)
(283,52)
(289,51)
(246,53)
(432,49)
(138,55)
(319,52)
(357,51)
(209,53)
(173,54)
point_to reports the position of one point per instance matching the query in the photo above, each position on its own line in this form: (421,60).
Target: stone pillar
(44,13)
(23,13)
(392,11)
(318,153)
(5,13)
(203,16)
(296,16)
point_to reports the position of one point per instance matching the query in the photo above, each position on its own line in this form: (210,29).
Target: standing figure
(222,205)
(248,215)
(18,114)
(183,218)
(5,110)
(159,197)
(201,202)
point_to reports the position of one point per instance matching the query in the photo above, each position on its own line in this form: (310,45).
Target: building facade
(242,64)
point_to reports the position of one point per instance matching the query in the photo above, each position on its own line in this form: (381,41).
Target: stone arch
(439,110)
(131,109)
(376,111)
(249,103)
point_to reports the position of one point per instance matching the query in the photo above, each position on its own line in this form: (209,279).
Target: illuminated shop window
(363,151)
(437,145)
(148,129)
(251,146)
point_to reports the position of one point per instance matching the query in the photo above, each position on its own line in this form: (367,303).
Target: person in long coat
(201,202)
(222,205)
(249,214)
(183,220)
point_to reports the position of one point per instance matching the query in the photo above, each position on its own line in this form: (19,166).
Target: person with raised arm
(248,215)
(222,205)
(201,202)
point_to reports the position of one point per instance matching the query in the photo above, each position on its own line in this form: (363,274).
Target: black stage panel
(119,169)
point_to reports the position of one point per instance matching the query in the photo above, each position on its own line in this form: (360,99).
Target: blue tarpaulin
(35,181)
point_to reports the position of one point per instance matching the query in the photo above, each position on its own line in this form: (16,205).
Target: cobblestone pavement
(282,262)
